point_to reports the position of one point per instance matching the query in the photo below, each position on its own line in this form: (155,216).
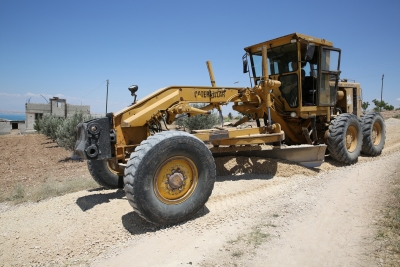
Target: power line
(94,89)
(44,98)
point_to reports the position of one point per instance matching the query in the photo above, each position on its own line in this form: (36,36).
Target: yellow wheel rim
(376,134)
(175,180)
(351,138)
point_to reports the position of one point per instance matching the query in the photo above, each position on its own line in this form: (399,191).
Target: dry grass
(388,235)
(246,243)
(254,238)
(50,188)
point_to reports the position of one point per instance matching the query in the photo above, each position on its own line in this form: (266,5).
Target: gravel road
(290,216)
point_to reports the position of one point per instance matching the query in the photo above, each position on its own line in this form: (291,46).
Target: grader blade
(306,155)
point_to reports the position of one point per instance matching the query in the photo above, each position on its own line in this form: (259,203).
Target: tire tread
(368,121)
(100,172)
(336,134)
(136,158)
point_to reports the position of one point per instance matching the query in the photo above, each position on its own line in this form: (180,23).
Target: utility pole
(107,96)
(383,75)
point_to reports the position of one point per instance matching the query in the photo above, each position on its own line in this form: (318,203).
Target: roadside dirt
(262,212)
(32,159)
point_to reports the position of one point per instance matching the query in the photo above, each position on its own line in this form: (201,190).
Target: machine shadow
(333,162)
(232,165)
(229,168)
(248,168)
(70,159)
(131,221)
(88,202)
(135,225)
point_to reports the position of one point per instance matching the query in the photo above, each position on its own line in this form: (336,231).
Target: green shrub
(61,130)
(66,131)
(364,106)
(37,125)
(379,105)
(48,126)
(198,122)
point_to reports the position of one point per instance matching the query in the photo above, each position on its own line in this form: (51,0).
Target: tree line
(379,106)
(61,130)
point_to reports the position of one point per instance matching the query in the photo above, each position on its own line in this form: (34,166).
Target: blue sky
(70,48)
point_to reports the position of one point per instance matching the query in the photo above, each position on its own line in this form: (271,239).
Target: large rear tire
(104,175)
(374,134)
(169,177)
(345,138)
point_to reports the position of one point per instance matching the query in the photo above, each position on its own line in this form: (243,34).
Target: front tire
(169,177)
(374,134)
(345,138)
(104,175)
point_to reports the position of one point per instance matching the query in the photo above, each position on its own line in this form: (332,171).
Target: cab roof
(286,40)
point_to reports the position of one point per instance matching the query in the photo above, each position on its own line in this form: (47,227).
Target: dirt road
(291,216)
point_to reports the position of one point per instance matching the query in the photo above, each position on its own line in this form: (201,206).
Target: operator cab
(307,67)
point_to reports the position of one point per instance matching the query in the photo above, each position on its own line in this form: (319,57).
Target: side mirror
(133,89)
(245,66)
(310,51)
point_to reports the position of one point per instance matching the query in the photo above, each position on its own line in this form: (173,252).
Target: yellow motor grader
(298,104)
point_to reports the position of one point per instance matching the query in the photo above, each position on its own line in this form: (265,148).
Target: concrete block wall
(38,108)
(58,108)
(31,109)
(29,120)
(72,109)
(6,126)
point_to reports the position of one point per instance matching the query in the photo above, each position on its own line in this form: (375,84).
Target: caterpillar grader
(299,106)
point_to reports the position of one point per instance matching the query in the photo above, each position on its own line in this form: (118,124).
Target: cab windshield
(279,60)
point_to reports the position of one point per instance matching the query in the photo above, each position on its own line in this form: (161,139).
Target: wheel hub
(351,138)
(176,179)
(376,134)
(348,139)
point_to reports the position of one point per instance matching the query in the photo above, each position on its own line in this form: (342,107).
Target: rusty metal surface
(217,135)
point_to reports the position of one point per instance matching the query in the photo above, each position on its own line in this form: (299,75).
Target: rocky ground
(390,114)
(262,212)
